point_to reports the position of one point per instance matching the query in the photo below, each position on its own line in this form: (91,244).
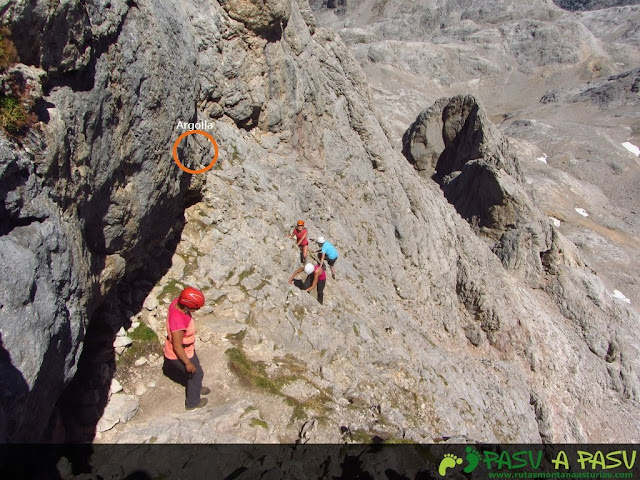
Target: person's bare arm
(316,276)
(176,339)
(294,274)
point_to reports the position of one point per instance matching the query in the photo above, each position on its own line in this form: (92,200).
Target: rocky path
(242,407)
(231,415)
(237,412)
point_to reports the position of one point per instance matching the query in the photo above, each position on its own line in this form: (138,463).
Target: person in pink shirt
(316,278)
(181,363)
(302,241)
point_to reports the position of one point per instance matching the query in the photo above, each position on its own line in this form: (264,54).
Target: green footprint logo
(473,458)
(449,461)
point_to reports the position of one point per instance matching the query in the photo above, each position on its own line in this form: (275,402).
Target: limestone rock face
(455,143)
(508,56)
(453,132)
(267,18)
(90,189)
(481,177)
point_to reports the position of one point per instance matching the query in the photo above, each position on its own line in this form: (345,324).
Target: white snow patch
(555,221)
(582,212)
(543,159)
(620,296)
(632,148)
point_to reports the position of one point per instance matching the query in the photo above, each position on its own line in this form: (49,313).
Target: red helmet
(301,223)
(191,298)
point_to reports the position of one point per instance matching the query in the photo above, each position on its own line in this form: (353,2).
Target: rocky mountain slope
(516,61)
(442,322)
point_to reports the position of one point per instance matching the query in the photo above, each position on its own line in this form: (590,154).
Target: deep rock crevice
(82,403)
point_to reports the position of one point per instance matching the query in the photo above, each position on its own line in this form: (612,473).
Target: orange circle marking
(188,170)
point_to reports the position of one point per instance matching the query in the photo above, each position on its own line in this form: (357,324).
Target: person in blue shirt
(328,252)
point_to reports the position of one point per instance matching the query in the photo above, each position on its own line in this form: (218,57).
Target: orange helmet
(191,298)
(301,223)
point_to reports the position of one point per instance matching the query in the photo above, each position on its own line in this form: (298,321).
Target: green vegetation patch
(13,116)
(8,52)
(292,364)
(230,274)
(190,267)
(399,441)
(143,334)
(139,348)
(235,156)
(220,300)
(258,422)
(253,373)
(299,413)
(317,403)
(360,436)
(172,289)
(145,343)
(246,273)
(298,312)
(248,410)
(265,281)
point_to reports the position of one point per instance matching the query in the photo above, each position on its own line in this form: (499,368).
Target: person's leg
(308,281)
(320,287)
(305,251)
(331,263)
(194,384)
